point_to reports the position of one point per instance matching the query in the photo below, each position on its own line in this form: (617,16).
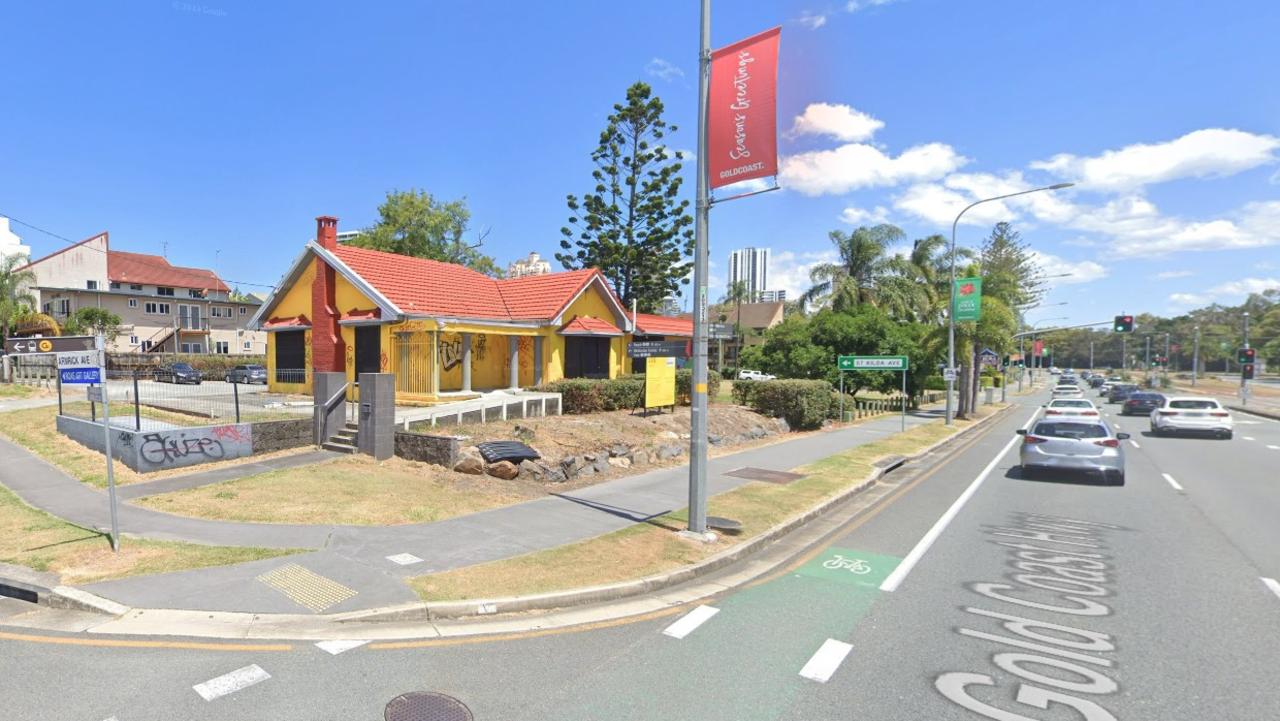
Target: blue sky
(223,128)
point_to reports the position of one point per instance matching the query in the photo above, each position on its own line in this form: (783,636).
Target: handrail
(329,404)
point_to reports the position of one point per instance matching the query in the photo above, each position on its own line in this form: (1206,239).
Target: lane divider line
(1172,482)
(689,622)
(228,683)
(826,660)
(893,580)
(1134,443)
(1249,438)
(333,648)
(1274,448)
(1272,584)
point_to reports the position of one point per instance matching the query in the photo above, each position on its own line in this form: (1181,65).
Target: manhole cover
(426,707)
(764,474)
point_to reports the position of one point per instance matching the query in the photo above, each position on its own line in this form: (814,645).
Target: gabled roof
(543,297)
(587,325)
(142,268)
(650,324)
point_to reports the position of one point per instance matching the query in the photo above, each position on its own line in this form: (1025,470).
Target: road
(1043,600)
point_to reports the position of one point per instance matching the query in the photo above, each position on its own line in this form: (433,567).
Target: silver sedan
(1078,444)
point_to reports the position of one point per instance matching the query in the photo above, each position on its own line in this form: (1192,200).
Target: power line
(143,262)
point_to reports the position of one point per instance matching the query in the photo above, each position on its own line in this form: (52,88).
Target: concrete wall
(149,451)
(271,436)
(440,450)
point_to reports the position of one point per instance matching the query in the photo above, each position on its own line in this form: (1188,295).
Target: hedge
(592,395)
(804,403)
(935,383)
(210,364)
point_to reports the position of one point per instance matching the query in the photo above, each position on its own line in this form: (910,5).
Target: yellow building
(442,328)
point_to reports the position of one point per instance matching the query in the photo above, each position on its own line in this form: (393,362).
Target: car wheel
(1116,478)
(1227,436)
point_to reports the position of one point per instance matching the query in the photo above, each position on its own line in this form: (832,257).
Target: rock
(602,465)
(783,426)
(669,435)
(620,462)
(757,432)
(639,457)
(524,433)
(470,451)
(471,465)
(555,475)
(506,470)
(685,436)
(584,470)
(669,451)
(715,439)
(589,457)
(619,450)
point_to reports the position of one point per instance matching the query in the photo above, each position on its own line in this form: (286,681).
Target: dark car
(247,374)
(1141,404)
(1096,381)
(1120,392)
(178,373)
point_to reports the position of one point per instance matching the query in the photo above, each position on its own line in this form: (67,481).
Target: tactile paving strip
(307,588)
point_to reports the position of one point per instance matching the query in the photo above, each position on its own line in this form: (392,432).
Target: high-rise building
(533,265)
(772,296)
(750,266)
(10,243)
(670,306)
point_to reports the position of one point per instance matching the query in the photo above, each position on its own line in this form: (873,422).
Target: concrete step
(332,445)
(351,426)
(345,435)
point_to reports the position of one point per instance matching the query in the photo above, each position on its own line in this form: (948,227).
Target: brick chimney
(328,351)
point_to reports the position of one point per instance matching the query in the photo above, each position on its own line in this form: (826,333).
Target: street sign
(80,376)
(872,363)
(79,359)
(95,394)
(658,349)
(27,346)
(948,374)
(720,331)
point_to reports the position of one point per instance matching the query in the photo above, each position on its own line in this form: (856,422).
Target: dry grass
(36,430)
(648,548)
(37,540)
(351,491)
(17,390)
(1219,387)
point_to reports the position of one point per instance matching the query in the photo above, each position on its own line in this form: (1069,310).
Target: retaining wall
(158,450)
(440,450)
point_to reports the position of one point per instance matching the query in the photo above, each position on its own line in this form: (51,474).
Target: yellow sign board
(659,382)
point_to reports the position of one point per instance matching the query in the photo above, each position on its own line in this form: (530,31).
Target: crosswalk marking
(238,679)
(690,621)
(824,663)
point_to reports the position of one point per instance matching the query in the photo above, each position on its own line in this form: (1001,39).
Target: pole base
(707,537)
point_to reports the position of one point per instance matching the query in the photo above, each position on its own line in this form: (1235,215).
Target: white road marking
(404,559)
(1272,584)
(1172,482)
(825,662)
(239,679)
(1134,443)
(336,647)
(1249,438)
(893,580)
(1274,448)
(690,621)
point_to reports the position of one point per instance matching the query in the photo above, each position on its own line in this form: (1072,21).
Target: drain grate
(764,474)
(418,706)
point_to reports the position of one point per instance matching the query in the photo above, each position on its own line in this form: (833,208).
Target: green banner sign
(968,299)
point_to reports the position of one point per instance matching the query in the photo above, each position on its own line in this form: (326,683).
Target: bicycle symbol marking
(852,565)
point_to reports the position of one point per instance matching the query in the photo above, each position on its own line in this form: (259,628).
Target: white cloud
(753,185)
(860,216)
(856,165)
(854,6)
(1144,232)
(1084,271)
(1203,153)
(940,205)
(842,122)
(1231,291)
(663,70)
(789,270)
(1171,274)
(812,20)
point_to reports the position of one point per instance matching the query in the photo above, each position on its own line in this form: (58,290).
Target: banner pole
(698,392)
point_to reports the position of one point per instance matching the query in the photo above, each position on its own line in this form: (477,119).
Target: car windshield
(1194,404)
(1071,404)
(1146,397)
(256,368)
(181,367)
(1065,429)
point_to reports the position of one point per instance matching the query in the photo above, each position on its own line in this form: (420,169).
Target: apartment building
(164,308)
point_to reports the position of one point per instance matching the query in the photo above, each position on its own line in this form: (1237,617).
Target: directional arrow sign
(872,363)
(26,346)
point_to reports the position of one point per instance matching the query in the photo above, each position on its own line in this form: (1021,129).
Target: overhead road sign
(62,344)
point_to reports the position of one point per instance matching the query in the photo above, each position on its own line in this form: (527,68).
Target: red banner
(742,117)
(1037,348)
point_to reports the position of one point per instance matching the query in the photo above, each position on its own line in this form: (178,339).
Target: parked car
(178,373)
(1121,391)
(1192,414)
(1069,407)
(1067,391)
(1141,404)
(749,375)
(247,374)
(1075,444)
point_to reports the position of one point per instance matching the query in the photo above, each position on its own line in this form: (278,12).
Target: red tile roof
(299,321)
(355,314)
(148,269)
(650,324)
(421,286)
(587,325)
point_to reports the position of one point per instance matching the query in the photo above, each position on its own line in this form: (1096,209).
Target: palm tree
(15,298)
(925,273)
(859,275)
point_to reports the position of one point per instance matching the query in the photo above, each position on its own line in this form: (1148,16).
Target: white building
(10,243)
(772,296)
(750,266)
(533,265)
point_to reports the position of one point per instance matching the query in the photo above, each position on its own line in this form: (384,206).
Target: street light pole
(1244,384)
(951,307)
(698,391)
(1195,358)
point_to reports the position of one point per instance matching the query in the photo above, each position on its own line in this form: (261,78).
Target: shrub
(578,395)
(622,393)
(805,404)
(935,383)
(684,381)
(728,372)
(743,391)
(591,395)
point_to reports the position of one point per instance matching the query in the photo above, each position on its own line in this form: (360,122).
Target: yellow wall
(296,301)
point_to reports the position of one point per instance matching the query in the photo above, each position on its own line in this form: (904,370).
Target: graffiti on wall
(450,354)
(189,446)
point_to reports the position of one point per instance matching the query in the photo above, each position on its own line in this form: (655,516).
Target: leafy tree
(632,225)
(1009,270)
(93,321)
(736,292)
(412,222)
(15,296)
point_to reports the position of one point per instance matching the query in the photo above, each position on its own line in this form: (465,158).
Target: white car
(748,375)
(1191,414)
(1067,391)
(1070,408)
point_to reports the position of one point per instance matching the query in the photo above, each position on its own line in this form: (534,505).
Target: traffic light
(1124,324)
(1246,371)
(1246,355)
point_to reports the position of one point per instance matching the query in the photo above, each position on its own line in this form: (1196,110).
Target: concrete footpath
(355,568)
